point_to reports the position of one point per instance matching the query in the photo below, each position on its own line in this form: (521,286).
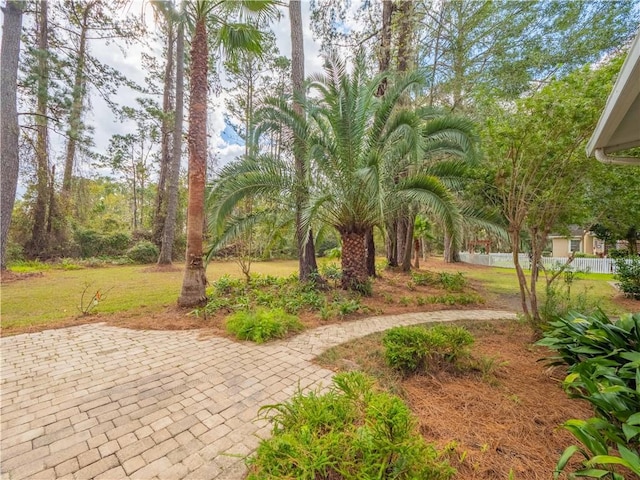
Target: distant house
(578,240)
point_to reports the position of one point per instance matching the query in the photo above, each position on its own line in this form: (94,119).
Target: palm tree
(368,159)
(231,36)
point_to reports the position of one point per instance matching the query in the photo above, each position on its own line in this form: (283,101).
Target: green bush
(603,359)
(410,349)
(89,242)
(351,432)
(262,325)
(115,243)
(453,282)
(95,244)
(143,252)
(628,272)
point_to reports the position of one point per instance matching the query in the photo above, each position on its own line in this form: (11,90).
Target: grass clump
(409,349)
(262,325)
(350,432)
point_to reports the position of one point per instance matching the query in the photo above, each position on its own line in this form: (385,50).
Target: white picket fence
(505,260)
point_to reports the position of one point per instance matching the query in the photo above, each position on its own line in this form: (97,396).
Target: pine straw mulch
(506,424)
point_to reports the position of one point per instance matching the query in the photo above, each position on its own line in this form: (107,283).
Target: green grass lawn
(594,287)
(56,294)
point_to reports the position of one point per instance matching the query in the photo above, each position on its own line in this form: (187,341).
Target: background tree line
(489,137)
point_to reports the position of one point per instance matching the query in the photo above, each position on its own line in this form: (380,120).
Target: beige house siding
(589,245)
(560,247)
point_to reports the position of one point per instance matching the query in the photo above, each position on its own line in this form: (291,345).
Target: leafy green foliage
(350,432)
(92,243)
(628,272)
(143,252)
(604,369)
(453,282)
(262,324)
(286,293)
(410,349)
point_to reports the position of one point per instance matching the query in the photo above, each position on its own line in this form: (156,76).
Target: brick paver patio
(101,402)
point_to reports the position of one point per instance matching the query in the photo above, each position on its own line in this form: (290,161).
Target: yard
(498,419)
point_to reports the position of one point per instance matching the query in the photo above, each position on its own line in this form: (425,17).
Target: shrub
(89,242)
(351,432)
(14,253)
(409,349)
(143,252)
(116,243)
(603,359)
(94,244)
(628,272)
(453,282)
(262,325)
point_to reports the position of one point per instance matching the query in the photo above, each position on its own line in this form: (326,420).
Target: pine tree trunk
(354,260)
(306,249)
(9,130)
(169,230)
(408,245)
(77,100)
(193,286)
(384,55)
(451,250)
(392,243)
(416,248)
(401,239)
(160,210)
(37,245)
(405,34)
(371,253)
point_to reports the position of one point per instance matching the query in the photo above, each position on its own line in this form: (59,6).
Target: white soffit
(619,125)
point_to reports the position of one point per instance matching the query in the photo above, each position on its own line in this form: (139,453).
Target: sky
(223,142)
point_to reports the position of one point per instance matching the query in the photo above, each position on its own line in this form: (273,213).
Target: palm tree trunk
(9,130)
(169,230)
(354,260)
(194,282)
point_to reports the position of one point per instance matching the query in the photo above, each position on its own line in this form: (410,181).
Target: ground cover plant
(261,325)
(352,431)
(603,359)
(409,349)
